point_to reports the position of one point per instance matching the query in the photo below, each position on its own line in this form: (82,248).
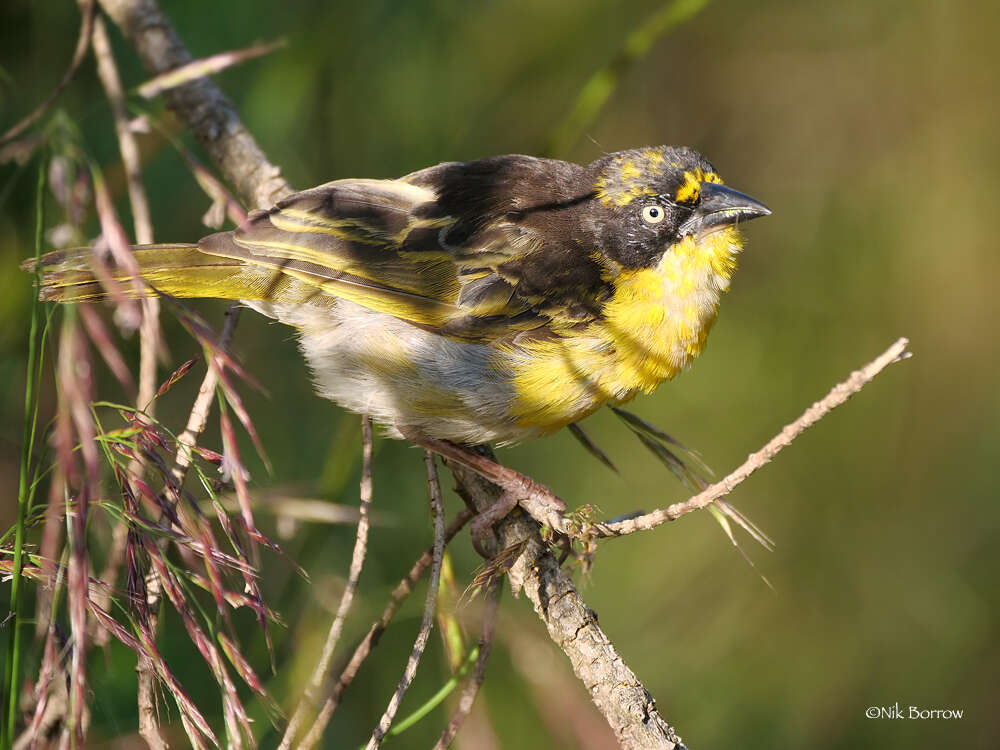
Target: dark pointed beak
(721,206)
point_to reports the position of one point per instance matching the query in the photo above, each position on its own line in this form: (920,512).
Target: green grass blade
(11,674)
(435,700)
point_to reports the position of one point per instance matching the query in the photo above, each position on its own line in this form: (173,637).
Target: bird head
(651,199)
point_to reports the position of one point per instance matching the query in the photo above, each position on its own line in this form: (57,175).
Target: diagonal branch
(200,104)
(616,691)
(837,396)
(399,594)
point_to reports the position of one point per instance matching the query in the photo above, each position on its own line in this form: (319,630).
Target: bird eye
(653,214)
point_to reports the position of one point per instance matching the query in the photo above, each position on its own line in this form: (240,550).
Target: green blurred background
(869,128)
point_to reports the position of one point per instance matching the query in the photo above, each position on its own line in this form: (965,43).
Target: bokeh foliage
(870,130)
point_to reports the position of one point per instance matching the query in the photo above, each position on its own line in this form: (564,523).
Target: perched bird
(489,301)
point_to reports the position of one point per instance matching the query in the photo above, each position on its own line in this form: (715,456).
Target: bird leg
(536,499)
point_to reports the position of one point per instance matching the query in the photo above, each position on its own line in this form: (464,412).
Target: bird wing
(448,249)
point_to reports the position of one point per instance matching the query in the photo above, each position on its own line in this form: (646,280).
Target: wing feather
(427,248)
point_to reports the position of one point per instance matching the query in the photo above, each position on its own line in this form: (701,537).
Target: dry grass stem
(186,442)
(437,512)
(837,396)
(321,674)
(204,67)
(198,417)
(149,329)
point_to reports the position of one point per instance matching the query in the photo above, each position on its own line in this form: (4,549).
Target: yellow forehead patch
(623,188)
(688,192)
(654,160)
(630,171)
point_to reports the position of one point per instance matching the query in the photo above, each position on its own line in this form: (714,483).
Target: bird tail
(178,270)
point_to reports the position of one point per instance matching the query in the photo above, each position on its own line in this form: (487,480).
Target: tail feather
(177,270)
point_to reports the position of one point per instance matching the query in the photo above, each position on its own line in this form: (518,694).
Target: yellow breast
(653,326)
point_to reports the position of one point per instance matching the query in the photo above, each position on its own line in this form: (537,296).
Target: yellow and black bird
(489,301)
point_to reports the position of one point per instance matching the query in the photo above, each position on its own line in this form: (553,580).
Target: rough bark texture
(616,691)
(200,104)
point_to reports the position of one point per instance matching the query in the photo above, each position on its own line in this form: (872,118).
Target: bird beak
(721,206)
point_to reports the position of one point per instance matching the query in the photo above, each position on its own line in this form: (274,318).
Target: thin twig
(399,594)
(437,511)
(139,203)
(837,396)
(200,104)
(471,689)
(87,8)
(107,70)
(310,701)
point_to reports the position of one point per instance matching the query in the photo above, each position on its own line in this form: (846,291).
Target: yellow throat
(653,326)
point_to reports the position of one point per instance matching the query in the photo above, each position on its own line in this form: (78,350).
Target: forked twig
(146,670)
(321,674)
(198,417)
(437,512)
(399,594)
(614,688)
(107,71)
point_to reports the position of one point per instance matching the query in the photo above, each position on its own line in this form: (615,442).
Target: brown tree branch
(200,104)
(618,694)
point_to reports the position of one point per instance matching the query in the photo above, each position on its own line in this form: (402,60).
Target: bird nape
(489,301)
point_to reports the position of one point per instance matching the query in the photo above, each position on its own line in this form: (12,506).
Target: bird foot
(537,500)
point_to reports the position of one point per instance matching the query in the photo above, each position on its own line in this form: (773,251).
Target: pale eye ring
(653,214)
